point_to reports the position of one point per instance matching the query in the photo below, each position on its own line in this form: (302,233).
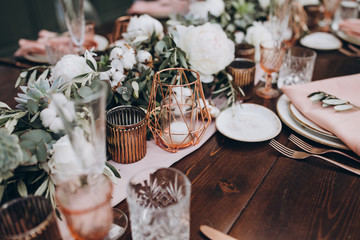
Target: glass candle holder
(28,218)
(177,113)
(126,134)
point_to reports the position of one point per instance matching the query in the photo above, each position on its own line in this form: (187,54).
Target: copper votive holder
(28,218)
(245,50)
(243,72)
(126,134)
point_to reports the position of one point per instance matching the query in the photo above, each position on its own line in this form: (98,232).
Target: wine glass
(272,54)
(330,7)
(75,21)
(85,203)
(279,16)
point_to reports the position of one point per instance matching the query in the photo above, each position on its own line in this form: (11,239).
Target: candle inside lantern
(177,134)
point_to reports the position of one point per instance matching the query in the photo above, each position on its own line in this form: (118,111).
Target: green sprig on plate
(329,100)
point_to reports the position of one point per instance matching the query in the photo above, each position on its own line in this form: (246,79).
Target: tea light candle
(177,134)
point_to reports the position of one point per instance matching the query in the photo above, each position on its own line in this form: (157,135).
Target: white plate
(248,123)
(321,41)
(282,108)
(102,44)
(301,119)
(347,38)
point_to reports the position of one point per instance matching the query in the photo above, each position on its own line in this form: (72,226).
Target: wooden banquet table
(250,191)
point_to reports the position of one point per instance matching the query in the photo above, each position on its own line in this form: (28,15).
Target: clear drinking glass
(75,21)
(298,67)
(85,202)
(272,54)
(279,15)
(86,130)
(159,204)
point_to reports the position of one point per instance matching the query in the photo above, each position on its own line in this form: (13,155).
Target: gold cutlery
(355,52)
(316,150)
(301,155)
(214,234)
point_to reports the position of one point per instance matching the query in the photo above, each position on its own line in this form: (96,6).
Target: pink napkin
(351,27)
(346,124)
(45,37)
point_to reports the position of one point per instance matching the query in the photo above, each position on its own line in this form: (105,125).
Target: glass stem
(268,81)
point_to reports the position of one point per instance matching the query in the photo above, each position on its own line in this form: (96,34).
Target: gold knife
(214,234)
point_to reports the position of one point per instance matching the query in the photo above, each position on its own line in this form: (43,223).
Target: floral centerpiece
(35,151)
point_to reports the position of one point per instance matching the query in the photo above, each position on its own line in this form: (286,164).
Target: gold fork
(301,155)
(316,150)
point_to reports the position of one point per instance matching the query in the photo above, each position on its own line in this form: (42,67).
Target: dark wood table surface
(250,191)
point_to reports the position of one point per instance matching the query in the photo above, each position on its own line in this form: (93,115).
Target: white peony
(69,67)
(200,9)
(49,116)
(256,34)
(207,48)
(142,28)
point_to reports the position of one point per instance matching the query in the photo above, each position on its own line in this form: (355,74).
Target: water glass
(348,9)
(28,218)
(159,204)
(297,67)
(85,202)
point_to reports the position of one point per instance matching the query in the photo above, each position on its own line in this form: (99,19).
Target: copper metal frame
(200,115)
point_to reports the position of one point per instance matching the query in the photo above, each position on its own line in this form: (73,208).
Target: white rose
(141,28)
(207,48)
(256,34)
(69,67)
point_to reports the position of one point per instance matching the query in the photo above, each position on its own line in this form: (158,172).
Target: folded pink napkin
(346,124)
(351,27)
(45,37)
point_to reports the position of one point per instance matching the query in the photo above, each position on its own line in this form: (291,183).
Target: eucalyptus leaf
(21,188)
(334,101)
(34,117)
(113,169)
(343,107)
(37,135)
(10,124)
(40,191)
(41,152)
(135,87)
(32,77)
(90,64)
(85,91)
(44,75)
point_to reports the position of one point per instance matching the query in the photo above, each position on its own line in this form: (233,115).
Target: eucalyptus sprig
(331,100)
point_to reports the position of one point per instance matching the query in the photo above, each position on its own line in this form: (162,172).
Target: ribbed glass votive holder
(126,134)
(28,218)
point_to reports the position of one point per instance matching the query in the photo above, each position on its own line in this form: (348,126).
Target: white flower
(143,57)
(123,56)
(49,116)
(264,4)
(117,78)
(239,37)
(207,48)
(69,67)
(256,34)
(141,29)
(64,162)
(213,110)
(200,9)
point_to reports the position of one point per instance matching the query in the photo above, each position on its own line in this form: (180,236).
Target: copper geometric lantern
(177,113)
